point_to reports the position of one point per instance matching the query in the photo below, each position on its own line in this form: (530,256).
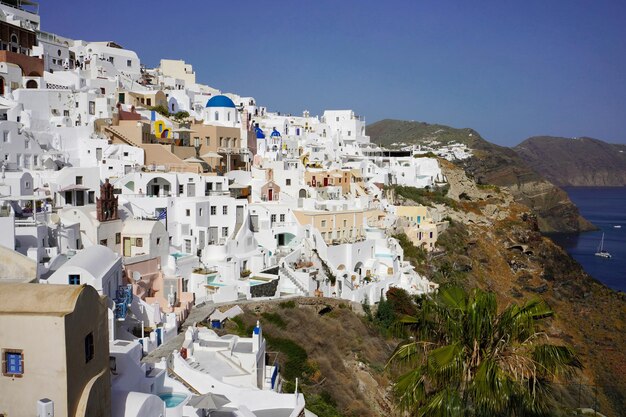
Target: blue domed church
(221,110)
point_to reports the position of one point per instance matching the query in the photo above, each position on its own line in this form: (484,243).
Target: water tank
(45,408)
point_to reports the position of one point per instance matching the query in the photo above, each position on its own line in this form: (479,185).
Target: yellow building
(54,345)
(414,214)
(335,226)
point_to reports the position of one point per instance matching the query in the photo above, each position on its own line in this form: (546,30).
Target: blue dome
(275,133)
(259,133)
(220,101)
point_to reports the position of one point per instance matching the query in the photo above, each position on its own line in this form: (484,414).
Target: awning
(211,155)
(74,187)
(193,159)
(208,401)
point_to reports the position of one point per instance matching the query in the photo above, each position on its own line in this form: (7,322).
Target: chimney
(45,408)
(257,337)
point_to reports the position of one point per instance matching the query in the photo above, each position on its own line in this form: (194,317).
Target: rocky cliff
(494,243)
(575,162)
(492,164)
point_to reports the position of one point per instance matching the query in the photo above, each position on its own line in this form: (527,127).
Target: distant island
(575,162)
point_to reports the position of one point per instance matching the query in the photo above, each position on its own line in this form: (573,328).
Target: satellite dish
(54,218)
(136,276)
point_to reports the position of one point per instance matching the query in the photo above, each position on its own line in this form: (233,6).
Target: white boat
(601,252)
(618,226)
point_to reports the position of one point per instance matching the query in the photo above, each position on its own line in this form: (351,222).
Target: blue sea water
(605,207)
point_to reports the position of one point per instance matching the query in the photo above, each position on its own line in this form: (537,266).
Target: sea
(605,207)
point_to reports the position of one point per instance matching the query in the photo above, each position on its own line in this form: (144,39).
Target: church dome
(220,101)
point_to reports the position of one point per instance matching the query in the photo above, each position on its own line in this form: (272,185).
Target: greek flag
(162,214)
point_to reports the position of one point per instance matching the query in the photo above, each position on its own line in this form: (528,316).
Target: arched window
(1,86)
(31,84)
(172,107)
(15,43)
(217,116)
(228,116)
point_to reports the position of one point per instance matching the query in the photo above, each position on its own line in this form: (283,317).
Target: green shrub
(296,365)
(287,304)
(275,319)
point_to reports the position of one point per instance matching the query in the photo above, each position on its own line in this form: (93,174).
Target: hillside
(575,162)
(494,244)
(492,164)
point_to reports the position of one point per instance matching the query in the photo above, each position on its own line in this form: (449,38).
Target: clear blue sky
(509,69)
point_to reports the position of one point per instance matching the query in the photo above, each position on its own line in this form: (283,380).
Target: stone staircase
(287,273)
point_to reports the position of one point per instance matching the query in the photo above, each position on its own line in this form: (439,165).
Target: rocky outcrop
(496,165)
(575,162)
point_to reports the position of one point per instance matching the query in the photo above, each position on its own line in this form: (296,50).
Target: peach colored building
(54,345)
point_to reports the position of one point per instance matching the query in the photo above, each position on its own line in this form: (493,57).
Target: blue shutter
(14,363)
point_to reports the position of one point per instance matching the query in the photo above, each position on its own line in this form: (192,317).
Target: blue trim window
(74,279)
(13,363)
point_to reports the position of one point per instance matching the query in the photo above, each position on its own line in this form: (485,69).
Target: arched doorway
(358,268)
(31,84)
(158,186)
(1,86)
(302,193)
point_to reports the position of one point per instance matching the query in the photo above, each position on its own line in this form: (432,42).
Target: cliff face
(493,164)
(575,162)
(497,246)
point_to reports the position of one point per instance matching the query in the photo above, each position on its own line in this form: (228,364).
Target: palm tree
(467,359)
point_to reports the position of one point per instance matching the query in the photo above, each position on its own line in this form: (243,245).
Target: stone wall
(264,290)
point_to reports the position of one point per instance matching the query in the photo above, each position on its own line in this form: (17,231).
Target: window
(213,210)
(187,212)
(282,218)
(225,210)
(92,108)
(5,135)
(345,223)
(208,140)
(139,242)
(118,238)
(217,116)
(288,181)
(74,279)
(12,363)
(158,241)
(89,350)
(149,101)
(180,189)
(337,118)
(129,63)
(349,133)
(66,113)
(200,212)
(91,197)
(224,231)
(273,218)
(323,223)
(103,242)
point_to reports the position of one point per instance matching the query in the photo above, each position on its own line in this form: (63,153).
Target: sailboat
(601,252)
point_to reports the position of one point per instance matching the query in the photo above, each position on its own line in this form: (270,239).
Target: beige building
(335,226)
(222,140)
(331,178)
(54,345)
(414,214)
(178,69)
(149,98)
